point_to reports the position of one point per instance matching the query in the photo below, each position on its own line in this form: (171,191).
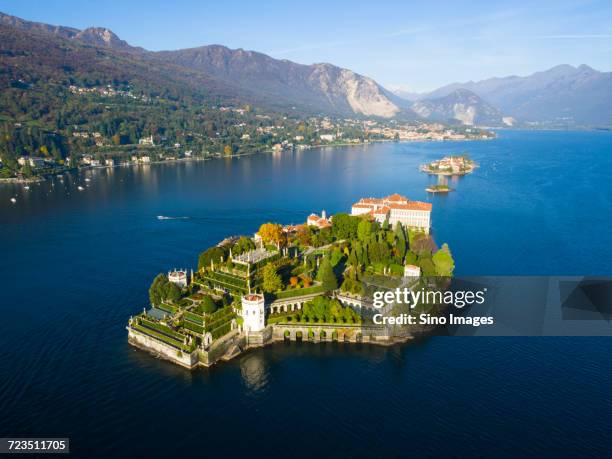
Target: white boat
(13,200)
(80,188)
(87,179)
(26,187)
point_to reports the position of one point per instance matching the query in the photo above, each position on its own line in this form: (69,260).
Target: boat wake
(164,217)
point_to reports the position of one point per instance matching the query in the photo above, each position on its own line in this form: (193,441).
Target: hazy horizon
(417,47)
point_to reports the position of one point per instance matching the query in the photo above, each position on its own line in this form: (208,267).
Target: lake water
(76,264)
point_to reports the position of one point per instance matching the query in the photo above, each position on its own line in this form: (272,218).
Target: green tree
(326,275)
(352,259)
(244,244)
(364,230)
(443,261)
(344,226)
(212,254)
(156,290)
(208,305)
(162,289)
(271,280)
(411,258)
(427,267)
(336,256)
(401,244)
(172,292)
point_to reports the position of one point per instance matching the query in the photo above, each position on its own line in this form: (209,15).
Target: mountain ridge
(459,106)
(563,94)
(258,77)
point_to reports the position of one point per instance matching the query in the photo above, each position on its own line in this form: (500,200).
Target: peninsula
(314,281)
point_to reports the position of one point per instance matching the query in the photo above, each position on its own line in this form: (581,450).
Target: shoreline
(243,343)
(40,179)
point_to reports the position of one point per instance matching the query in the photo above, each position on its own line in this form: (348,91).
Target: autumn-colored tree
(227,150)
(306,280)
(272,233)
(303,235)
(294,281)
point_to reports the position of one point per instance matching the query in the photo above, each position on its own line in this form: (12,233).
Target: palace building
(396,208)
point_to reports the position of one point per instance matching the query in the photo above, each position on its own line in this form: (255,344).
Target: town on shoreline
(312,282)
(24,160)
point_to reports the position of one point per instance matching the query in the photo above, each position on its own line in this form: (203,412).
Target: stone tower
(253,312)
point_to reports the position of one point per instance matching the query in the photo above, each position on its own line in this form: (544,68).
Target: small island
(450,165)
(312,282)
(441,188)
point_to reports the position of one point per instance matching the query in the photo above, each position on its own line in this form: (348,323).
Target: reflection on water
(254,371)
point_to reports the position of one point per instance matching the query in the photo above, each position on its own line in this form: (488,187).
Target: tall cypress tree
(326,275)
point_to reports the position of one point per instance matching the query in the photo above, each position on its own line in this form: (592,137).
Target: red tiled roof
(396,197)
(370,201)
(394,201)
(383,210)
(412,205)
(253,297)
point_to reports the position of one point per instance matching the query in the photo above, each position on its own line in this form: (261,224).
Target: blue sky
(419,45)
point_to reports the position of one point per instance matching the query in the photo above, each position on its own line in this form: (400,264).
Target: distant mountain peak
(322,87)
(561,95)
(460,105)
(101,36)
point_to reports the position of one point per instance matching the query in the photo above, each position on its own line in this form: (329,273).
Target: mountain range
(563,95)
(246,75)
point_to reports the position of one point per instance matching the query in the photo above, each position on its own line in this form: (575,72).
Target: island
(440,188)
(450,165)
(313,282)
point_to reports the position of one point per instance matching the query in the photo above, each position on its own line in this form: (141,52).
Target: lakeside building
(179,277)
(146,141)
(412,271)
(253,312)
(33,161)
(320,222)
(450,165)
(396,208)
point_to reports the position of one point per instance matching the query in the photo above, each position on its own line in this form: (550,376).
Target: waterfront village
(28,156)
(310,282)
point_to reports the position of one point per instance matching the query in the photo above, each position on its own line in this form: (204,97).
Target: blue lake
(76,264)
